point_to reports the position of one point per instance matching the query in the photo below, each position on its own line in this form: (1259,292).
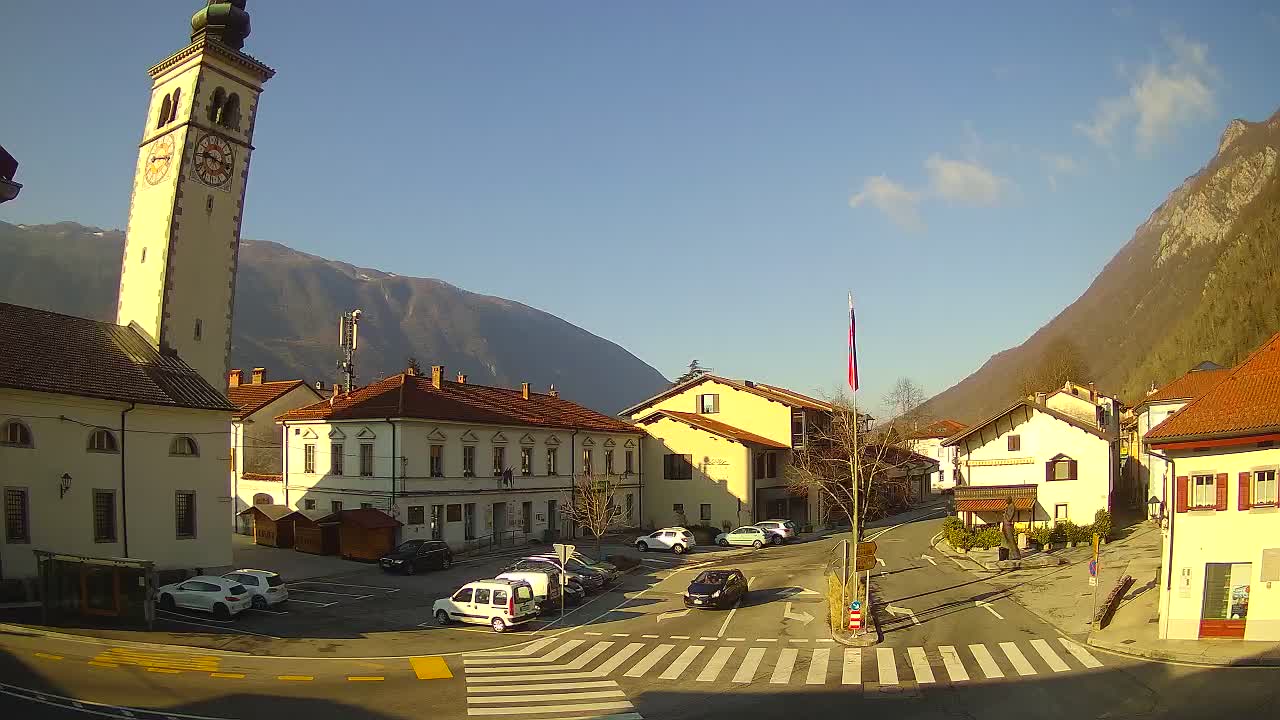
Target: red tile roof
(939,429)
(250,398)
(367,518)
(702,422)
(993,498)
(1031,404)
(1189,387)
(48,352)
(1246,402)
(413,396)
(769,392)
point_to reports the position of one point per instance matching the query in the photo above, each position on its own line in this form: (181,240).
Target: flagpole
(854,460)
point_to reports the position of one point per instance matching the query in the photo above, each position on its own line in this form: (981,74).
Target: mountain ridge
(287,308)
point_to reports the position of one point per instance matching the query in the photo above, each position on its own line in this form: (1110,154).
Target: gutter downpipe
(393,464)
(573,483)
(124,497)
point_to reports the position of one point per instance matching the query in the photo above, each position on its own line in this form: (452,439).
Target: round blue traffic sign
(855,605)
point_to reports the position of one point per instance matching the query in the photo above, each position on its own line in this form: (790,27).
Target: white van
(499,604)
(546,585)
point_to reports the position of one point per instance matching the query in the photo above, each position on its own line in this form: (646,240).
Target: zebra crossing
(574,674)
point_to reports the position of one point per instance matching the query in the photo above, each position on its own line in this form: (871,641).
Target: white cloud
(1058,164)
(1162,97)
(901,205)
(965,182)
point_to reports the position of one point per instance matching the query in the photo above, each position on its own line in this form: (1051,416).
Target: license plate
(697,602)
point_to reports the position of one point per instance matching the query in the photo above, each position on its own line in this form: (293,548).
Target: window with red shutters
(1183,491)
(1222,491)
(1245,502)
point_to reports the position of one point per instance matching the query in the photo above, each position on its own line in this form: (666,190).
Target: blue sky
(687,179)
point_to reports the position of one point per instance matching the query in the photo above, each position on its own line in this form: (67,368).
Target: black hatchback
(415,555)
(716,589)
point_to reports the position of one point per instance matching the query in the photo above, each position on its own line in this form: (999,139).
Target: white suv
(497,603)
(676,539)
(266,589)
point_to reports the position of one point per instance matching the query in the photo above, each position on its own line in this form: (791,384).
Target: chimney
(553,392)
(259,376)
(334,396)
(320,385)
(437,376)
(410,371)
(1040,398)
(235,378)
(462,379)
(524,390)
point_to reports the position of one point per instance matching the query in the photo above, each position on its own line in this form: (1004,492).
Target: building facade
(928,441)
(717,450)
(1055,466)
(463,463)
(256,453)
(1154,472)
(1221,561)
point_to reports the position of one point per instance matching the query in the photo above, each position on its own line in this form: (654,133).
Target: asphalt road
(636,653)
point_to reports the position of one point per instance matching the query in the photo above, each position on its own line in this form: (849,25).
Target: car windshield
(523,593)
(712,577)
(409,545)
(275,580)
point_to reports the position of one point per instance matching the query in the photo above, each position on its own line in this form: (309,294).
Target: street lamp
(65,487)
(1153,508)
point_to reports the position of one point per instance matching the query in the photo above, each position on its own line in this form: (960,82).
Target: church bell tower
(178,276)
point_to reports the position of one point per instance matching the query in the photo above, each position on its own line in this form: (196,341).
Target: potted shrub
(989,537)
(1102,524)
(1069,532)
(1082,534)
(1042,537)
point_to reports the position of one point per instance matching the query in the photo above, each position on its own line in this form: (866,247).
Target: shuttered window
(104,516)
(1264,488)
(184,514)
(17,527)
(1204,492)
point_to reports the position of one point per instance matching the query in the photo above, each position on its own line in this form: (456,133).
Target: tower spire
(226,22)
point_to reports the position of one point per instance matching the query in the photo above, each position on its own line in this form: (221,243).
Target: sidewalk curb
(1170,656)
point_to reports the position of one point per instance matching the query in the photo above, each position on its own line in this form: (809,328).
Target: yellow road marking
(365,678)
(232,676)
(95,663)
(47,656)
(294,677)
(167,671)
(430,667)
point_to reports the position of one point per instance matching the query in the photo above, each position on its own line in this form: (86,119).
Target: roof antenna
(348,330)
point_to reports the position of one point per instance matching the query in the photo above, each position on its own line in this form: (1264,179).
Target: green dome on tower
(226,22)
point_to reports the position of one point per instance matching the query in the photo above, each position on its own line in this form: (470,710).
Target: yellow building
(717,451)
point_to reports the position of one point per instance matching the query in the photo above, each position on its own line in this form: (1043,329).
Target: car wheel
(259,602)
(642,547)
(221,612)
(498,625)
(723,542)
(442,617)
(446,563)
(757,544)
(776,539)
(677,549)
(166,603)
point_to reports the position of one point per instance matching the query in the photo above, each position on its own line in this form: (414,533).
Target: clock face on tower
(159,160)
(214,161)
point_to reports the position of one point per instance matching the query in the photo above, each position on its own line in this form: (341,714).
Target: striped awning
(992,498)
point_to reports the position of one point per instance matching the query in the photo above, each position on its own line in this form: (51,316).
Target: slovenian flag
(853,350)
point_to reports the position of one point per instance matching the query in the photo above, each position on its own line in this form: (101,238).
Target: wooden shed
(314,532)
(366,533)
(271,525)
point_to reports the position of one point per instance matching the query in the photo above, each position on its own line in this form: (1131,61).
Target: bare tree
(1060,361)
(592,504)
(835,446)
(904,398)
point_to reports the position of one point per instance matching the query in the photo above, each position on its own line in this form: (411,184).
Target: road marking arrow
(881,561)
(673,614)
(903,611)
(990,609)
(930,559)
(802,616)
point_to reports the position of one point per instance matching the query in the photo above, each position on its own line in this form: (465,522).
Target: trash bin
(1004,553)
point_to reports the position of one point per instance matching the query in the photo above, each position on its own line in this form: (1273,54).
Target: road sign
(1093,581)
(1093,568)
(563,552)
(864,563)
(855,605)
(855,619)
(867,549)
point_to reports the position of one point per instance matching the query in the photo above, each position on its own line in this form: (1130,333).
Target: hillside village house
(1221,562)
(928,441)
(114,435)
(1056,456)
(1154,474)
(255,438)
(717,450)
(455,461)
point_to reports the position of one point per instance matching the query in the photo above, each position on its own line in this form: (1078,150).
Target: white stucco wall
(258,447)
(152,477)
(1043,437)
(944,477)
(1227,536)
(1159,480)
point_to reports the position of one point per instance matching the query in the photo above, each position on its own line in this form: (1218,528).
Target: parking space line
(164,670)
(365,678)
(193,617)
(311,602)
(384,588)
(328,592)
(240,631)
(268,612)
(299,678)
(227,676)
(95,663)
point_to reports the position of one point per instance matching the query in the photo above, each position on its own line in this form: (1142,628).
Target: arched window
(262,499)
(16,434)
(216,106)
(173,112)
(101,440)
(183,446)
(231,113)
(165,107)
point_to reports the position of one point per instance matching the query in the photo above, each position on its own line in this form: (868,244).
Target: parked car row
(524,589)
(225,596)
(680,540)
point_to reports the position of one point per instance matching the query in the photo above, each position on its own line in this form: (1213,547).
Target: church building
(115,436)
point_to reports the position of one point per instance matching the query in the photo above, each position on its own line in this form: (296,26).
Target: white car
(266,589)
(786,529)
(218,595)
(500,604)
(748,535)
(676,539)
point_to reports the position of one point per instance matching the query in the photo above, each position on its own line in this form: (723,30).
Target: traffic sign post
(1093,576)
(563,553)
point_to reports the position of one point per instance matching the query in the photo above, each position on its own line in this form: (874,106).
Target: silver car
(782,528)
